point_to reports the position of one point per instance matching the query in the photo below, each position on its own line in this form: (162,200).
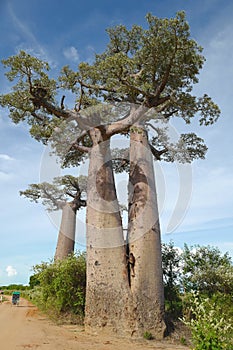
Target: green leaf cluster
(211,322)
(171,272)
(62,285)
(155,67)
(203,269)
(54,195)
(28,72)
(207,270)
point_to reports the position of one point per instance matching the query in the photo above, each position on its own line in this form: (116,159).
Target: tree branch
(124,124)
(78,107)
(136,89)
(62,102)
(37,116)
(97,87)
(157,154)
(58,112)
(70,194)
(81,148)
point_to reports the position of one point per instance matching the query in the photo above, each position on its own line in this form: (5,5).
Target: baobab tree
(153,70)
(66,194)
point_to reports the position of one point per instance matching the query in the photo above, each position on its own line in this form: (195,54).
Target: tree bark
(107,293)
(66,235)
(144,238)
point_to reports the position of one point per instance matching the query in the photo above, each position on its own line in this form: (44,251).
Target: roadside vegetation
(58,288)
(198,284)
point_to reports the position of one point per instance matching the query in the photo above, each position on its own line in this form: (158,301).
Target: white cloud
(71,53)
(11,271)
(5,157)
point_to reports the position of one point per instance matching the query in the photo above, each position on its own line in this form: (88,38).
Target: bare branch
(78,106)
(97,87)
(81,148)
(58,112)
(62,102)
(156,153)
(124,124)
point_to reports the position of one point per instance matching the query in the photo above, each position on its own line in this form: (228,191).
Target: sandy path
(24,327)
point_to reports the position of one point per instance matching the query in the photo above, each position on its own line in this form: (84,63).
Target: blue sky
(67,32)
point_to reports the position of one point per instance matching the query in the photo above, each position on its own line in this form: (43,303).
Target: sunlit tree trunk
(144,240)
(107,291)
(66,235)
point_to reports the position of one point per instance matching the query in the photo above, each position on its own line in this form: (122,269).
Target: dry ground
(24,327)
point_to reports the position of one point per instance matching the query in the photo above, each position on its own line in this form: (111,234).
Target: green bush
(207,270)
(148,335)
(62,285)
(210,322)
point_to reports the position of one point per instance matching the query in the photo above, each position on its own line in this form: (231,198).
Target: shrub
(210,324)
(62,285)
(148,335)
(207,270)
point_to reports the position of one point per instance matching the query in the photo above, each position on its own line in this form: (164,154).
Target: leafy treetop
(153,68)
(55,195)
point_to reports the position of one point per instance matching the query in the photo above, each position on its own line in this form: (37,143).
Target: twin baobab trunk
(107,281)
(144,238)
(117,299)
(66,235)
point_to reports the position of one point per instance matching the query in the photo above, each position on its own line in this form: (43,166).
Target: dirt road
(24,327)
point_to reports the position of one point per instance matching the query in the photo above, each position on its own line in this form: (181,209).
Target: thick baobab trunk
(107,294)
(144,240)
(66,236)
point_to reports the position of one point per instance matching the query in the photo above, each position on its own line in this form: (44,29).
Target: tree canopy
(154,67)
(55,195)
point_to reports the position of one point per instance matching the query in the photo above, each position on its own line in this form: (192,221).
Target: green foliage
(145,57)
(198,283)
(206,270)
(34,281)
(59,287)
(12,287)
(155,67)
(54,196)
(183,340)
(188,148)
(148,335)
(28,72)
(211,322)
(62,285)
(171,273)
(51,196)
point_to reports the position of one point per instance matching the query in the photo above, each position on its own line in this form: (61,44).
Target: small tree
(54,196)
(207,270)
